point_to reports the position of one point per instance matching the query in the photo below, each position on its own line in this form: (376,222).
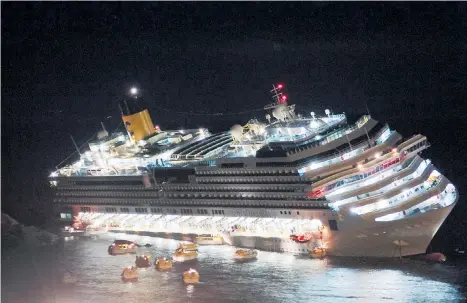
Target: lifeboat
(143,261)
(209,240)
(129,274)
(245,255)
(191,276)
(68,278)
(185,252)
(163,264)
(121,247)
(318,253)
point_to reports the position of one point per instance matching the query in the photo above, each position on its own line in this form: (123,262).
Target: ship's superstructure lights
(327,112)
(142,143)
(313,115)
(377,155)
(134,91)
(54,174)
(394,150)
(279,86)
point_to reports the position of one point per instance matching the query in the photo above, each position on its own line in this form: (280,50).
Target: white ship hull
(215,241)
(359,238)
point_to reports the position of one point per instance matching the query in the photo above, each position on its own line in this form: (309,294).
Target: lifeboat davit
(245,254)
(185,252)
(163,264)
(143,261)
(191,276)
(318,253)
(129,274)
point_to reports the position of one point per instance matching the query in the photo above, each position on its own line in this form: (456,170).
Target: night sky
(66,66)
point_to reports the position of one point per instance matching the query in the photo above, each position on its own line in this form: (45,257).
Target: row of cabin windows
(317,203)
(156,210)
(194,189)
(227,181)
(365,175)
(182,211)
(264,196)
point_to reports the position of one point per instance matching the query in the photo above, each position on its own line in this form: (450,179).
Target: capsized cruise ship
(290,183)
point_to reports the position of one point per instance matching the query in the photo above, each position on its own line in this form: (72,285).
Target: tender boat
(318,253)
(185,252)
(207,239)
(191,276)
(143,261)
(122,247)
(245,254)
(163,264)
(129,274)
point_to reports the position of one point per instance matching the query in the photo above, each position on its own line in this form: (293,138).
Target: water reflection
(273,277)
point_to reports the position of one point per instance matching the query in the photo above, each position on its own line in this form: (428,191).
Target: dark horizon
(66,66)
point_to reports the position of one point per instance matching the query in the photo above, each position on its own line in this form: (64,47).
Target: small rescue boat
(318,253)
(191,276)
(129,274)
(163,264)
(122,247)
(245,254)
(185,252)
(143,261)
(209,240)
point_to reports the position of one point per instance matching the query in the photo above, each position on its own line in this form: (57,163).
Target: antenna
(127,108)
(77,149)
(103,127)
(367,109)
(277,95)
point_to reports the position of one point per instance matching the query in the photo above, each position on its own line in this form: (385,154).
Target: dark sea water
(34,275)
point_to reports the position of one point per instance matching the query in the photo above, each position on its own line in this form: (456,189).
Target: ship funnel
(137,120)
(139,125)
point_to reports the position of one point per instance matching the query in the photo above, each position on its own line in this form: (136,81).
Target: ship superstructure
(290,183)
